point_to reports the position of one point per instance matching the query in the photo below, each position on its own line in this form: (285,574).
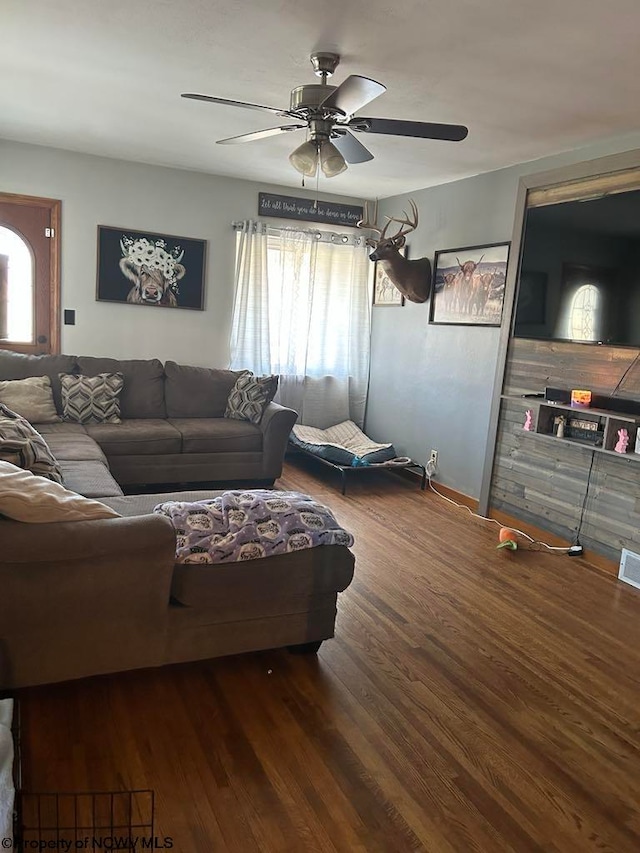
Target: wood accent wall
(543,482)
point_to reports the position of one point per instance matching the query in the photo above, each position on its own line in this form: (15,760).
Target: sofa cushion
(136,437)
(89,478)
(91,399)
(26,497)
(197,392)
(15,365)
(62,428)
(217,435)
(23,446)
(74,446)
(132,505)
(32,398)
(229,589)
(143,392)
(250,396)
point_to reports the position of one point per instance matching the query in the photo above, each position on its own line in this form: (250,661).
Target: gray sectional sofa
(173,427)
(81,598)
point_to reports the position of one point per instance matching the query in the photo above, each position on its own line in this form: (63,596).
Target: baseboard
(448,492)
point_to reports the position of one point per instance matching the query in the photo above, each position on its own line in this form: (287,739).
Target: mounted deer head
(412,278)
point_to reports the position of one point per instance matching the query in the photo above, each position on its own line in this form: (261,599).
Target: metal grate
(630,567)
(90,820)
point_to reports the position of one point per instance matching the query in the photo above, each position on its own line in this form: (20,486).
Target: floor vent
(630,568)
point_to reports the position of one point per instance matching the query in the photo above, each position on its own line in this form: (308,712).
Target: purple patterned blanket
(247,525)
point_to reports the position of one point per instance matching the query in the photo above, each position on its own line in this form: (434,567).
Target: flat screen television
(579,275)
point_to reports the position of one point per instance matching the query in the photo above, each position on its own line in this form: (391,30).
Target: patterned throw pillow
(91,399)
(250,396)
(23,446)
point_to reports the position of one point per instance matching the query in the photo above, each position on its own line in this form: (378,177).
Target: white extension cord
(572,550)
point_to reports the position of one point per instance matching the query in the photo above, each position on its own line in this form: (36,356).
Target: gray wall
(431,386)
(100,191)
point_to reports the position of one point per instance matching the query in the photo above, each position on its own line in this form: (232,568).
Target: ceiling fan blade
(212,100)
(351,148)
(420,129)
(353,94)
(260,134)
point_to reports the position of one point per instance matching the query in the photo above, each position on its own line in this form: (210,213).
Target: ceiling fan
(328,114)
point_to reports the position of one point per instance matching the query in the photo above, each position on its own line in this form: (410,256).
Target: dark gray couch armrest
(73,540)
(51,573)
(276,424)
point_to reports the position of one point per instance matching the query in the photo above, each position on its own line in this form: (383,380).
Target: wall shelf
(606,425)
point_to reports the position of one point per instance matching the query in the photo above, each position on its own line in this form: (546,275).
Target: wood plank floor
(472,700)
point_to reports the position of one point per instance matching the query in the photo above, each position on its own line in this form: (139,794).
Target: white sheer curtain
(302,311)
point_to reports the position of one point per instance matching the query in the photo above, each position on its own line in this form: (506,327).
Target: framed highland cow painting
(468,285)
(143,268)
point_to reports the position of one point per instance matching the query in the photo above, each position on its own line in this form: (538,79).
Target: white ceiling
(528,78)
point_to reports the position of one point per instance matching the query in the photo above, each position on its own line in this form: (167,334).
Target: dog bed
(342,444)
(345,448)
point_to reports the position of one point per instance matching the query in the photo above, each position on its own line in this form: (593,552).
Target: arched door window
(584,313)
(16,289)
(29,274)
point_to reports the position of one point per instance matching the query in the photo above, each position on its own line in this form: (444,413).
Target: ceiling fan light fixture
(305,159)
(331,160)
(329,112)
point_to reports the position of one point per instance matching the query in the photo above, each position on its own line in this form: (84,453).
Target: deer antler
(364,222)
(411,224)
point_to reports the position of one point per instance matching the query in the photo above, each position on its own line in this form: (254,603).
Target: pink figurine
(528,421)
(623,441)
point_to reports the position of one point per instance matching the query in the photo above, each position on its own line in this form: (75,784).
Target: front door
(29,280)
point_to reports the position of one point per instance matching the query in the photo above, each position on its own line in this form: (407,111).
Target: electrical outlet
(433,459)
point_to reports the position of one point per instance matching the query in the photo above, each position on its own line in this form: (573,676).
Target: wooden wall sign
(309,210)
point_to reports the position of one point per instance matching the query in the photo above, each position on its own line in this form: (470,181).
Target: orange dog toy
(507,539)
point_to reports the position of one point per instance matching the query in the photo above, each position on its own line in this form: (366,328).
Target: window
(16,289)
(584,312)
(302,311)
(585,302)
(29,274)
(310,305)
